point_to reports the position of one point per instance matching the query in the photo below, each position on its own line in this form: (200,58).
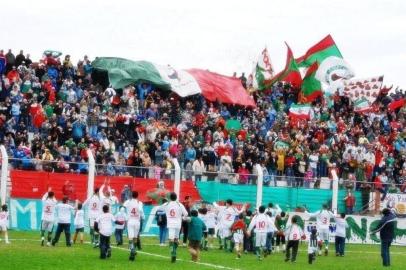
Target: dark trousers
(185,229)
(118,233)
(248,246)
(340,245)
(294,245)
(385,254)
(280,239)
(59,229)
(162,234)
(104,246)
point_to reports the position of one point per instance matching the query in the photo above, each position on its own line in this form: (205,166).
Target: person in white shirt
(341,227)
(293,235)
(64,214)
(48,216)
(135,214)
(175,213)
(198,168)
(94,205)
(262,224)
(323,225)
(209,218)
(79,223)
(4,222)
(104,226)
(227,215)
(118,232)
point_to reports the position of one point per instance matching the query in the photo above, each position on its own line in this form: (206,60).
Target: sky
(220,35)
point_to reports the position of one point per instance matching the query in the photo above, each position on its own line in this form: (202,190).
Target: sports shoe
(108,253)
(132,257)
(173,259)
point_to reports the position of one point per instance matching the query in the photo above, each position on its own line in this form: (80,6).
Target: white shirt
(79,220)
(105,223)
(135,211)
(261,222)
(48,208)
(174,211)
(64,211)
(227,215)
(210,219)
(293,232)
(121,216)
(94,206)
(341,226)
(3,218)
(323,218)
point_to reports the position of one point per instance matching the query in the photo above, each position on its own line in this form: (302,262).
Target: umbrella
(53,53)
(233,124)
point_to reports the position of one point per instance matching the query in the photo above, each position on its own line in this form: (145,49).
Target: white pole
(90,177)
(260,182)
(176,186)
(334,198)
(4,172)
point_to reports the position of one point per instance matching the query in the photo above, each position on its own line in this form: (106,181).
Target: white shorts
(260,239)
(3,227)
(324,234)
(238,238)
(91,222)
(224,233)
(173,233)
(47,226)
(133,230)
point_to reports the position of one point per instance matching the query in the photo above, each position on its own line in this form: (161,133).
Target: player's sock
(96,239)
(6,238)
(258,252)
(225,243)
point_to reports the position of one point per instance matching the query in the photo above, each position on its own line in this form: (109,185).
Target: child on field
(238,229)
(195,234)
(118,232)
(313,245)
(293,235)
(79,223)
(4,222)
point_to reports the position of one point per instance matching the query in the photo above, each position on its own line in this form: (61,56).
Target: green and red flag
(291,73)
(263,71)
(311,87)
(319,52)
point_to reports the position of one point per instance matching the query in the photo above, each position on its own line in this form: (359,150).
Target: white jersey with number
(323,219)
(227,216)
(93,206)
(135,211)
(105,224)
(48,208)
(175,212)
(262,223)
(293,232)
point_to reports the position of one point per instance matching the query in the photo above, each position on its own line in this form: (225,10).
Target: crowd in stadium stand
(53,110)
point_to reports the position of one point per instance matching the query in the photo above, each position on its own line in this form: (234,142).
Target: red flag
(222,88)
(396,104)
(291,73)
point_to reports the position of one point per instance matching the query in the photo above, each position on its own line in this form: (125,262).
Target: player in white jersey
(323,217)
(94,206)
(175,213)
(210,220)
(48,216)
(4,222)
(135,214)
(226,216)
(64,214)
(262,224)
(79,223)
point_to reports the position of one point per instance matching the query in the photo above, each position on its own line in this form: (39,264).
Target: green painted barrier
(287,198)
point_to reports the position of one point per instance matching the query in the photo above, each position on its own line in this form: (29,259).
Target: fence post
(176,185)
(90,176)
(334,197)
(260,182)
(4,172)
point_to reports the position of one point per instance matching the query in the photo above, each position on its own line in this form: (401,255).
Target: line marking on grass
(217,266)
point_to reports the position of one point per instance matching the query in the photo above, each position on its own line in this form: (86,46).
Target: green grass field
(25,252)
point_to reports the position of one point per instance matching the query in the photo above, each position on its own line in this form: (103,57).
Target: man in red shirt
(349,203)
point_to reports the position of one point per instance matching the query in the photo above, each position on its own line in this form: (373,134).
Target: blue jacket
(386,227)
